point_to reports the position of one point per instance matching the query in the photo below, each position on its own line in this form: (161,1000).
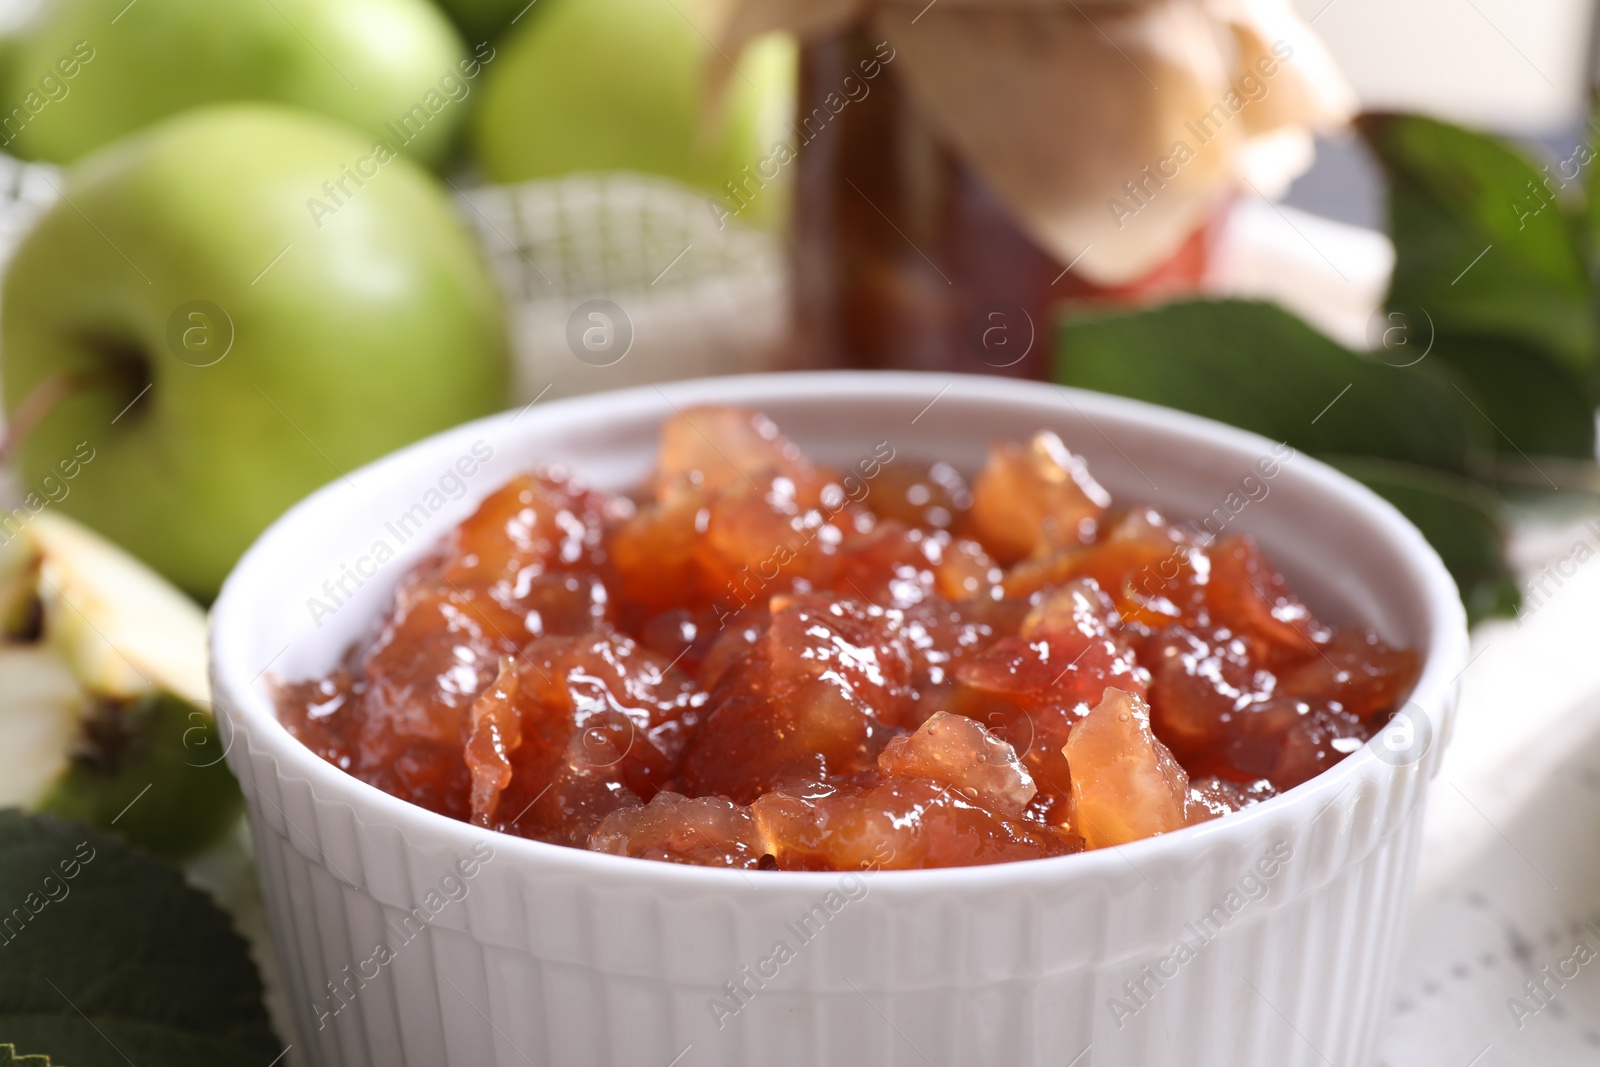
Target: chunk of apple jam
(758,661)
(1038,684)
(707,831)
(603,724)
(895,823)
(928,496)
(1125,783)
(1035,499)
(960,753)
(819,696)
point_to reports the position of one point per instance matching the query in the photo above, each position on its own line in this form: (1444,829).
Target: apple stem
(38,404)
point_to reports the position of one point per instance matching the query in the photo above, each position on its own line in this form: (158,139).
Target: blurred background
(557,242)
(1520,70)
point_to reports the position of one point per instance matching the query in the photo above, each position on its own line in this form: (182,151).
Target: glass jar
(904,259)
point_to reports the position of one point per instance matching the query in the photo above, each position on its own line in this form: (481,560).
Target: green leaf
(1591,186)
(1460,519)
(1257,366)
(9,1058)
(1486,243)
(1527,405)
(108,957)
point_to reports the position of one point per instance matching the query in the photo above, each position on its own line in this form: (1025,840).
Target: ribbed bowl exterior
(1265,939)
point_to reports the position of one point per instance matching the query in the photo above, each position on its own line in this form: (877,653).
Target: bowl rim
(249,708)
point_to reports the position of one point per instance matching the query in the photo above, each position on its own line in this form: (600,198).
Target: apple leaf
(1487,244)
(9,1058)
(1529,405)
(1460,519)
(108,957)
(1257,366)
(1591,184)
(1260,368)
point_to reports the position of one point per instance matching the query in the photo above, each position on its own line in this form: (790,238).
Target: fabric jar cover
(1110,128)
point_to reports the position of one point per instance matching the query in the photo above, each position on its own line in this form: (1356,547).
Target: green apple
(82,73)
(483,20)
(251,302)
(42,707)
(598,85)
(104,706)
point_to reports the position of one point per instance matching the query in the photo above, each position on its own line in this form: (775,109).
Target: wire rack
(677,294)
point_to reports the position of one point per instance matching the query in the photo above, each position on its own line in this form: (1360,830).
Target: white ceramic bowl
(519,953)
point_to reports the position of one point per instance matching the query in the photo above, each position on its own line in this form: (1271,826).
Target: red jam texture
(766,663)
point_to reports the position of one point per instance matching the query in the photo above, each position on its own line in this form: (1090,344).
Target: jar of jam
(903,257)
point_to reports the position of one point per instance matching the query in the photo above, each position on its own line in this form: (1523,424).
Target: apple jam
(762,662)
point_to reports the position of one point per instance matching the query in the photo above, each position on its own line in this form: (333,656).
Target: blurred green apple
(482,20)
(105,713)
(81,73)
(597,85)
(249,301)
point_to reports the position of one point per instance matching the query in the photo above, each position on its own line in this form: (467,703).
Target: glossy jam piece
(1148,567)
(731,549)
(1066,651)
(1355,672)
(1227,705)
(1125,784)
(930,496)
(496,733)
(897,565)
(652,558)
(1035,686)
(432,659)
(705,450)
(757,541)
(1212,798)
(732,637)
(428,665)
(740,513)
(683,635)
(1079,606)
(1323,709)
(707,831)
(603,725)
(1035,499)
(561,603)
(960,753)
(320,713)
(407,723)
(895,823)
(842,651)
(1205,687)
(443,647)
(1318,738)
(941,635)
(1158,574)
(500,579)
(1246,594)
(816,697)
(534,523)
